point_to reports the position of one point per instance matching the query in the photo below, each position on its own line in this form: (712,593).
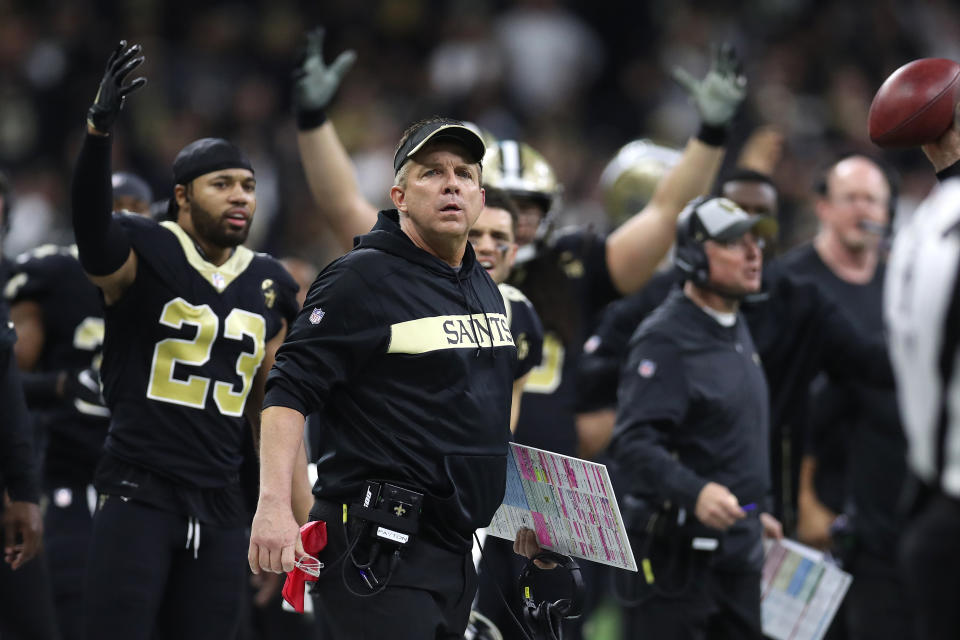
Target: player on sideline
(192,322)
(58,352)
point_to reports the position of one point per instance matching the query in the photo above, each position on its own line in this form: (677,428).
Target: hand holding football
(915,104)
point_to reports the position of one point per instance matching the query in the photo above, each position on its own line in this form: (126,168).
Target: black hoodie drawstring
(466,303)
(470,312)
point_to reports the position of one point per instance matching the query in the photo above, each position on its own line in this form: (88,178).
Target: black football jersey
(182,348)
(525,327)
(72,316)
(568,284)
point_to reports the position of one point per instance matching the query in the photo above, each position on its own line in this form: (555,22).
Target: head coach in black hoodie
(404,347)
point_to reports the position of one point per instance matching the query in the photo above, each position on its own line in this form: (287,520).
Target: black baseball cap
(434,131)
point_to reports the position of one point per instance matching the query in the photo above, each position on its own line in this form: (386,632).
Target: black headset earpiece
(544,619)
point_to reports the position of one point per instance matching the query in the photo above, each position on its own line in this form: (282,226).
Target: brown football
(915,103)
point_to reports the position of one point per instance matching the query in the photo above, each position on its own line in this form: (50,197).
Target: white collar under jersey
(723,318)
(920,286)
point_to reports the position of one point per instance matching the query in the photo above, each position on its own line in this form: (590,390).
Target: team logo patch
(269,293)
(317,315)
(647,368)
(218,281)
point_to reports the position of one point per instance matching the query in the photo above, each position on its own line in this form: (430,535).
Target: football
(915,103)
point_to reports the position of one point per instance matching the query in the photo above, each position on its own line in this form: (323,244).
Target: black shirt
(694,408)
(854,430)
(569,284)
(18,473)
(72,316)
(410,365)
(182,347)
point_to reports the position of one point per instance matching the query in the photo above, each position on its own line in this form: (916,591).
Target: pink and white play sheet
(569,502)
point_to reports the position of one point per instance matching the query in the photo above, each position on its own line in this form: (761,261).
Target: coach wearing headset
(691,429)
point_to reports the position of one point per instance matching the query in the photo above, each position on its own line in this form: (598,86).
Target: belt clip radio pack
(386,516)
(392,512)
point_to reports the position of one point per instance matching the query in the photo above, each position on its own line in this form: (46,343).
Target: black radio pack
(392,512)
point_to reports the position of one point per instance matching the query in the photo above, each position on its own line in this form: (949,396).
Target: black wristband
(950,172)
(40,387)
(310,118)
(713,135)
(23,488)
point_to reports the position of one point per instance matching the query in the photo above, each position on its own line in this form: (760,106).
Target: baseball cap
(132,185)
(440,130)
(722,220)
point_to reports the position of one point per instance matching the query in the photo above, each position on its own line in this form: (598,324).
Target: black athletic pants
(150,569)
(691,599)
(67,526)
(26,605)
(428,597)
(930,560)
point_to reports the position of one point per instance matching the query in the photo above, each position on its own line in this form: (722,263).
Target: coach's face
(857,193)
(736,265)
(440,198)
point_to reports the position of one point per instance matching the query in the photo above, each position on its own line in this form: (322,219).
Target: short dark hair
(500,199)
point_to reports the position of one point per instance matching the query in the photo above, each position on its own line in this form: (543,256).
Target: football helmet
(630,178)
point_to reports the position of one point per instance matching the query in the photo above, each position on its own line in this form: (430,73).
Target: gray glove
(721,91)
(315,83)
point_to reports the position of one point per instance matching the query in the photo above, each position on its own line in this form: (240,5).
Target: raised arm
(330,173)
(636,248)
(104,249)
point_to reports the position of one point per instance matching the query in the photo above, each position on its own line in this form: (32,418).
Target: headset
(544,619)
(689,255)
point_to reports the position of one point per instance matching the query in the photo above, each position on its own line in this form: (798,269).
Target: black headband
(205,156)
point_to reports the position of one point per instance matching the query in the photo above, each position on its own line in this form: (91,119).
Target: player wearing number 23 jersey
(192,320)
(182,347)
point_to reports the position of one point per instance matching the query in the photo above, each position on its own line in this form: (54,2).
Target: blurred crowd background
(576,80)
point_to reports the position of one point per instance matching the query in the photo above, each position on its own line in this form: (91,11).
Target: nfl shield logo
(647,368)
(218,281)
(316,316)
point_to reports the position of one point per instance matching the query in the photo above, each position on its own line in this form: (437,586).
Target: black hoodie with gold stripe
(410,364)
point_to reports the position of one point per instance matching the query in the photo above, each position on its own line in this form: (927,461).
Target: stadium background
(576,80)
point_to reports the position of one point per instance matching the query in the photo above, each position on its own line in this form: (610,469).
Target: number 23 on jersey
(195,352)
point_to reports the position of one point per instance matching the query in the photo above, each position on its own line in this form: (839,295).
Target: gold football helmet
(630,178)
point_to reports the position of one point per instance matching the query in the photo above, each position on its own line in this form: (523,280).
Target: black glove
(82,390)
(106,106)
(315,82)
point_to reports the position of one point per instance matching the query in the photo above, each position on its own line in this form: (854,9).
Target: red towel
(313,536)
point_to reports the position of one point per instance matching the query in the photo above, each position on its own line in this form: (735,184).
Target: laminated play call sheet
(568,502)
(801,591)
